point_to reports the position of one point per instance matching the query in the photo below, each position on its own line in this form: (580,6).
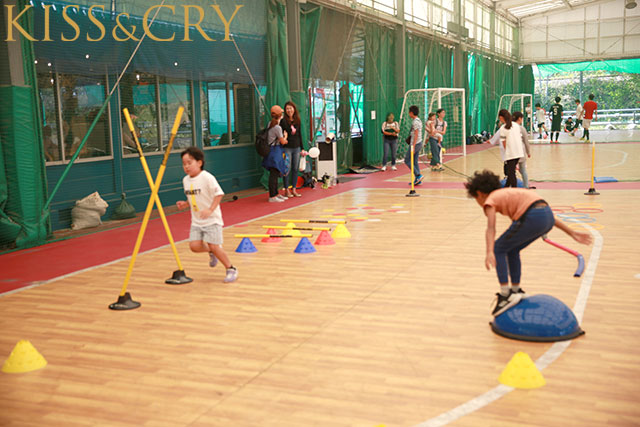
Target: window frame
(58,103)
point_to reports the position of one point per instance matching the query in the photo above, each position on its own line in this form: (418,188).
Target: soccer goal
(522,102)
(431,100)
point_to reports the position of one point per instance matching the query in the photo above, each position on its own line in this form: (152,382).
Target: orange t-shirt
(512,202)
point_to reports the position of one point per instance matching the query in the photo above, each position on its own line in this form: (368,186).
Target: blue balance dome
(520,184)
(540,318)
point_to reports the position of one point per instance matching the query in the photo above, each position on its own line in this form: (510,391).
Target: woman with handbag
(275,161)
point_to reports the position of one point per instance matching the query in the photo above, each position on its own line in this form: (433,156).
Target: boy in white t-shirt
(204,195)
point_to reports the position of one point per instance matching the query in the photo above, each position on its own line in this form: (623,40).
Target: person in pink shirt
(532,218)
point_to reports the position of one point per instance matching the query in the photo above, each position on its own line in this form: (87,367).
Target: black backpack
(262,142)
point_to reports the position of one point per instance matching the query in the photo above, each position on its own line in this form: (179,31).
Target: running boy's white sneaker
(232,275)
(393,168)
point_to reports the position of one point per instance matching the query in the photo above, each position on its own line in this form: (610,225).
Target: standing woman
(274,162)
(511,141)
(290,124)
(390,130)
(440,128)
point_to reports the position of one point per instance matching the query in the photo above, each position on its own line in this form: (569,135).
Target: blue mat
(600,179)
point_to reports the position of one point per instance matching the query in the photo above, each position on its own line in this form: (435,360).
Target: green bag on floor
(124,210)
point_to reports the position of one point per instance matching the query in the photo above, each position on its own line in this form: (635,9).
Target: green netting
(430,100)
(517,102)
(617,65)
(167,50)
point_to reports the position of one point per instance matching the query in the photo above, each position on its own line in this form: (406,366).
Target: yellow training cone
(521,372)
(341,232)
(292,232)
(23,358)
(290,225)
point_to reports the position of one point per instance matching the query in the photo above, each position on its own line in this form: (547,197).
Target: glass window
(244,119)
(50,129)
(138,95)
(213,104)
(468,11)
(173,94)
(81,98)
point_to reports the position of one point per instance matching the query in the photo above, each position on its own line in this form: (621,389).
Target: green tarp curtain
(309,23)
(379,88)
(439,66)
(618,65)
(277,62)
(526,81)
(461,78)
(22,174)
(417,50)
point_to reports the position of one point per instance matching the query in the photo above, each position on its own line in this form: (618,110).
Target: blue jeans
(535,222)
(523,171)
(435,151)
(416,155)
(291,179)
(390,145)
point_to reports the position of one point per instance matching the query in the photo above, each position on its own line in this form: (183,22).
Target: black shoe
(502,303)
(520,292)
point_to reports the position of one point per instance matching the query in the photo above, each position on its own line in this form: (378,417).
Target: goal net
(513,102)
(430,101)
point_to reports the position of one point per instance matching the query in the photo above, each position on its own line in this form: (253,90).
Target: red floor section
(42,263)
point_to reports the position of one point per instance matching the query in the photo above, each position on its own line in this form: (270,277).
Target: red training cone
(325,239)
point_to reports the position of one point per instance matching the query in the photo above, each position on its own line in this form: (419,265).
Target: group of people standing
(436,128)
(584,115)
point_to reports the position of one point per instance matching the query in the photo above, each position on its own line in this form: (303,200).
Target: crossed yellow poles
(124,300)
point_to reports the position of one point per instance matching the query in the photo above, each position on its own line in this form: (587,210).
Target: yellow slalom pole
(147,173)
(317,221)
(592,190)
(412,193)
(154,195)
(282,227)
(256,236)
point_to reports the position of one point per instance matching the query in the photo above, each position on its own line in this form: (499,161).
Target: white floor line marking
(73,273)
(543,361)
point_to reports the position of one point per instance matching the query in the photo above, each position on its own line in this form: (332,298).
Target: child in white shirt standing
(204,195)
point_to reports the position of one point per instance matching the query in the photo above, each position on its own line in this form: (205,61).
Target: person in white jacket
(511,140)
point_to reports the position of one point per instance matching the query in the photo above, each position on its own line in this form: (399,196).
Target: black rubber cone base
(413,193)
(124,303)
(592,192)
(178,278)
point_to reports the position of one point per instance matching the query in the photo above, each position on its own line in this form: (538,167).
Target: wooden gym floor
(389,327)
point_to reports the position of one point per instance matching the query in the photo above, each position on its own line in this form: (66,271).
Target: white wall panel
(582,34)
(532,35)
(610,45)
(611,29)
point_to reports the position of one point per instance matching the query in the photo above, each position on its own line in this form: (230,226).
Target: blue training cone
(304,247)
(246,246)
